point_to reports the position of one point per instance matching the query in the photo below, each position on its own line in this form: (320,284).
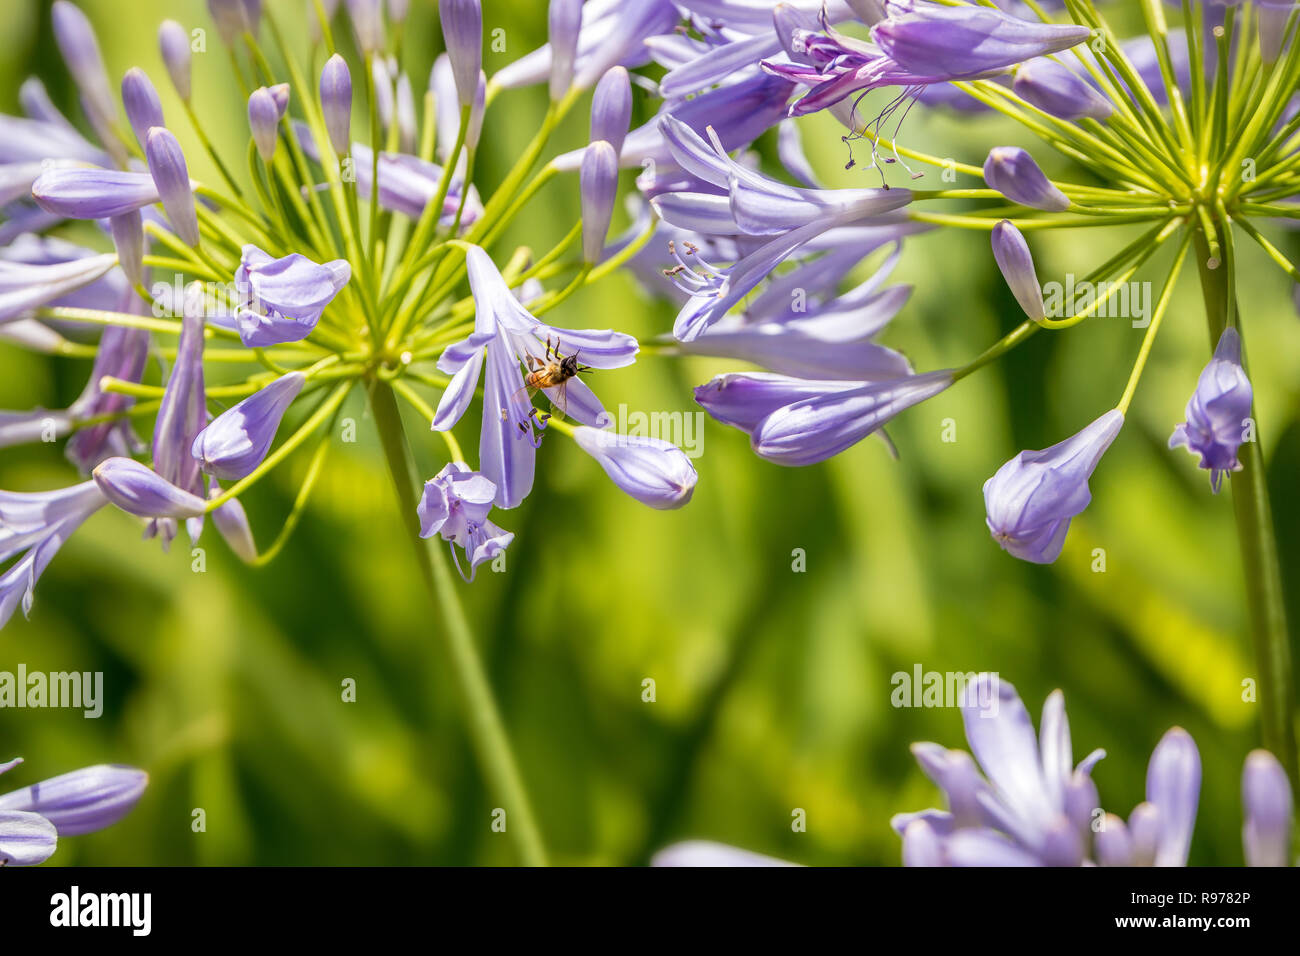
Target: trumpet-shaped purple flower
(82,801)
(1218,413)
(653,471)
(282,299)
(1032,806)
(238,439)
(455,504)
(1267,803)
(506,334)
(814,429)
(33,526)
(1031,499)
(1012,171)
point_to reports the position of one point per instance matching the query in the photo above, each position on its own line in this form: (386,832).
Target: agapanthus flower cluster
(34,818)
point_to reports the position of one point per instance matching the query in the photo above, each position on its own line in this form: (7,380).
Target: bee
(554,371)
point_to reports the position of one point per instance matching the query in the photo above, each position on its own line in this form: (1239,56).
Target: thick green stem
(486,730)
(1265,593)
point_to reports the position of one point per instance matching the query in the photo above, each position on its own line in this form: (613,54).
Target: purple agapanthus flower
(282,299)
(1031,499)
(505,335)
(455,504)
(82,801)
(238,439)
(1218,413)
(1032,805)
(24,286)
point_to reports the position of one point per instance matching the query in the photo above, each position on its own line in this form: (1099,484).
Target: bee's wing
(558,401)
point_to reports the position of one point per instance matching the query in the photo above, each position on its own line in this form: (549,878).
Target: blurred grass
(772,687)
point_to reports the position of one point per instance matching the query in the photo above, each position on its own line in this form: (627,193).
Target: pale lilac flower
(744,399)
(455,504)
(24,287)
(1267,805)
(92,193)
(653,471)
(336,101)
(1218,413)
(171,176)
(1058,90)
(462,31)
(1016,263)
(264,122)
(1031,807)
(1031,499)
(506,334)
(282,299)
(139,490)
(174,44)
(238,439)
(1012,171)
(599,188)
(33,526)
(82,801)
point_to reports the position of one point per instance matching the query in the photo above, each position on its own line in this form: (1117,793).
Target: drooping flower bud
(1058,90)
(82,801)
(143,109)
(239,438)
(565,21)
(174,43)
(1032,498)
(611,108)
(462,31)
(76,40)
(1218,413)
(172,177)
(264,121)
(1012,171)
(336,102)
(1017,266)
(141,491)
(654,472)
(599,183)
(1267,803)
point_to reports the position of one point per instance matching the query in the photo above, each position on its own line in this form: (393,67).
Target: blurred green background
(772,686)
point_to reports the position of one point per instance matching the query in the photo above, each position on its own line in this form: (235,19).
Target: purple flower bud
(82,193)
(654,472)
(172,177)
(239,438)
(24,286)
(599,182)
(1012,171)
(1267,803)
(76,39)
(143,109)
(477,111)
(820,427)
(455,504)
(141,491)
(280,95)
(565,22)
(368,24)
(1218,413)
(26,838)
(174,43)
(611,108)
(82,801)
(336,102)
(1058,90)
(1031,499)
(462,31)
(232,522)
(234,17)
(1174,788)
(183,412)
(932,40)
(264,121)
(1017,265)
(128,240)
